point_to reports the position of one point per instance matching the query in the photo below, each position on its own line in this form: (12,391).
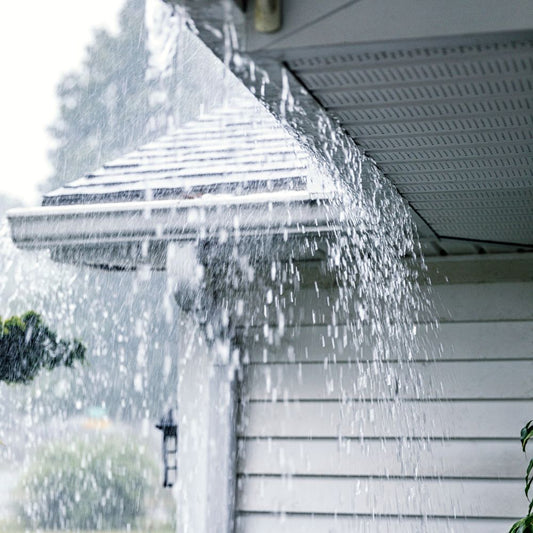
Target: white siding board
(468,459)
(466,302)
(461,419)
(484,301)
(467,340)
(440,380)
(382,497)
(254,523)
(447,449)
(486,340)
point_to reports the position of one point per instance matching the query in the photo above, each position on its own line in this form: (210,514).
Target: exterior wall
(452,451)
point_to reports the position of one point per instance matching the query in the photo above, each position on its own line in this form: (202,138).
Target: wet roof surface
(239,149)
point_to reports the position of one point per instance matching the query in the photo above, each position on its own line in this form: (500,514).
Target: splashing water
(321,324)
(360,283)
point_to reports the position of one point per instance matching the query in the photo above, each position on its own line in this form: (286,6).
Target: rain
(257,330)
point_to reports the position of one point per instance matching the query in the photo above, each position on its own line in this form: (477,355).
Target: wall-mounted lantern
(169,428)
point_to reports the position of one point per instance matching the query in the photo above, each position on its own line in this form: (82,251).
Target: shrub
(27,345)
(525,525)
(99,482)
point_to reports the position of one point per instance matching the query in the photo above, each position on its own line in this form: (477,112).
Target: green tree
(104,107)
(99,481)
(28,345)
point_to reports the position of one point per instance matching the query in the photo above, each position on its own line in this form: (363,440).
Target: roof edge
(166,220)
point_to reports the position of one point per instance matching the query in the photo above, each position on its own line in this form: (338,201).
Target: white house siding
(449,460)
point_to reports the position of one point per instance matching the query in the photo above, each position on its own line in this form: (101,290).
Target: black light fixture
(169,428)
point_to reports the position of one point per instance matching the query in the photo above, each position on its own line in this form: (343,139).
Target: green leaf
(525,525)
(528,486)
(529,468)
(525,436)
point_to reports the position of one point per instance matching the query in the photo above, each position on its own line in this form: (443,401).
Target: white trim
(163,220)
(480,258)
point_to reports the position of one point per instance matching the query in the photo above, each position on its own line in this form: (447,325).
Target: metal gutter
(176,220)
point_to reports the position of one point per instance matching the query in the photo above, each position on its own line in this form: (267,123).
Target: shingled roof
(234,169)
(239,149)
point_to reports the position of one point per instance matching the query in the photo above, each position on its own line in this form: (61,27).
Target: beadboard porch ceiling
(439,94)
(449,125)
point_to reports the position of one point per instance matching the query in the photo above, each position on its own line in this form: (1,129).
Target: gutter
(283,212)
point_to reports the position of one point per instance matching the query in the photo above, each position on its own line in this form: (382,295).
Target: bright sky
(39,42)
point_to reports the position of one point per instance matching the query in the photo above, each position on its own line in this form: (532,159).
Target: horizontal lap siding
(460,341)
(476,458)
(463,419)
(468,302)
(425,453)
(368,380)
(344,524)
(382,497)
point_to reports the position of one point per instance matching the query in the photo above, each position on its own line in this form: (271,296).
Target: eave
(89,232)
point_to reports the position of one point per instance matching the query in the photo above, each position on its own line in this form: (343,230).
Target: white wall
(410,465)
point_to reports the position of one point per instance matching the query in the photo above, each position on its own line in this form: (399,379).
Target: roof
(213,175)
(210,174)
(236,150)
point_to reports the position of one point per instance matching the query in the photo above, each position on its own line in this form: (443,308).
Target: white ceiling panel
(450,125)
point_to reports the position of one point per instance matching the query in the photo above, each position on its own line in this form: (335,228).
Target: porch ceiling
(450,124)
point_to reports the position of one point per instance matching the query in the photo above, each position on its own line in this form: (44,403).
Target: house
(323,430)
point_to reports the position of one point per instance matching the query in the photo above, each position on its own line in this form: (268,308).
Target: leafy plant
(99,483)
(525,525)
(28,345)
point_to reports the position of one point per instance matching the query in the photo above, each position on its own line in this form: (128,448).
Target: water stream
(364,306)
(323,321)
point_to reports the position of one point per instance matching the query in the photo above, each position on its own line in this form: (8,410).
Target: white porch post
(221,477)
(205,488)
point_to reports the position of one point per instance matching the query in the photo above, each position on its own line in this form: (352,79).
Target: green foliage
(525,434)
(104,108)
(525,525)
(99,482)
(28,345)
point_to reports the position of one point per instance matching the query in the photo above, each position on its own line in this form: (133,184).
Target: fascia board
(257,214)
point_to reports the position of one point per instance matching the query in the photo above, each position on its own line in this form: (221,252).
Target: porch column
(206,417)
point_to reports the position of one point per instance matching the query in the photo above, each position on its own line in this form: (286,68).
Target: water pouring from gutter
(342,253)
(368,252)
(363,216)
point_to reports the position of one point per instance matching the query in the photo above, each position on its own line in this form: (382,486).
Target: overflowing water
(326,322)
(318,327)
(110,403)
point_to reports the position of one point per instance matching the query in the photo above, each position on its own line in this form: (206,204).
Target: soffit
(450,125)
